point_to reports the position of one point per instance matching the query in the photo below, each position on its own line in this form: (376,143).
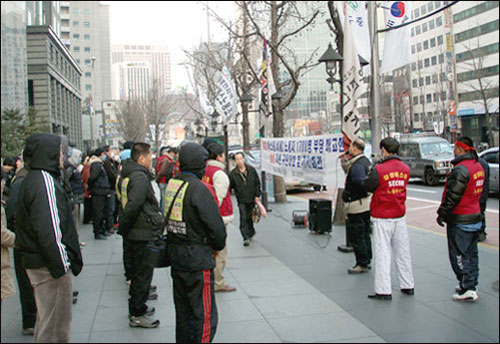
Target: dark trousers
(358,229)
(127,259)
(195,308)
(87,210)
(141,277)
(246,224)
(463,253)
(100,213)
(26,293)
(110,215)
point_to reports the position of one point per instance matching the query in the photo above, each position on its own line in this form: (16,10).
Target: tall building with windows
(476,36)
(85,32)
(14,61)
(131,80)
(449,50)
(156,56)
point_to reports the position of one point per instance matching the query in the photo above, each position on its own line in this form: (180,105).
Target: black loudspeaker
(320,212)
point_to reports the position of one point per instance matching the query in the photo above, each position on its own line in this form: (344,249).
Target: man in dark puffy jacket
(140,222)
(100,189)
(47,238)
(195,230)
(460,209)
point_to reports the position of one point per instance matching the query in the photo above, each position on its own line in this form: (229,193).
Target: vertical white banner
(353,87)
(357,16)
(397,44)
(205,105)
(225,101)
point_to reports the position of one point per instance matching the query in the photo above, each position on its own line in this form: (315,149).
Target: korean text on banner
(225,101)
(353,87)
(397,44)
(313,159)
(357,16)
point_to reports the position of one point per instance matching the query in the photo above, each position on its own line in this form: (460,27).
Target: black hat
(98,152)
(10,161)
(171,149)
(128,145)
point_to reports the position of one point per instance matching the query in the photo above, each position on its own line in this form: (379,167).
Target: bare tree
(481,81)
(280,21)
(130,116)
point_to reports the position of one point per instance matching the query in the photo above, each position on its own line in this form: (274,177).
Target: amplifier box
(320,215)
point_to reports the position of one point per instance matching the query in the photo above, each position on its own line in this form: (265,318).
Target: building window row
(430,43)
(474,11)
(478,95)
(427,62)
(430,25)
(476,31)
(476,74)
(477,53)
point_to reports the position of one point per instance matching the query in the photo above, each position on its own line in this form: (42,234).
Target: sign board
(313,159)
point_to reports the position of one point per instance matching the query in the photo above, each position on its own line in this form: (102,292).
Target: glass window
(436,149)
(423,10)
(491,158)
(439,21)
(417,30)
(87,62)
(424,27)
(75,11)
(441,58)
(434,78)
(419,47)
(413,49)
(88,87)
(434,60)
(420,64)
(432,25)
(427,62)
(413,66)
(430,6)
(426,45)
(422,99)
(412,31)
(428,98)
(86,24)
(87,49)
(421,81)
(76,49)
(428,80)
(414,81)
(86,11)
(437,4)
(86,37)
(440,39)
(415,100)
(76,23)
(88,75)
(433,42)
(443,95)
(417,13)
(76,36)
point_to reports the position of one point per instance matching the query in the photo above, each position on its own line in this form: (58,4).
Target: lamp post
(331,57)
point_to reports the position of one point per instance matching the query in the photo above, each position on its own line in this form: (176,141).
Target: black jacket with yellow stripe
(140,218)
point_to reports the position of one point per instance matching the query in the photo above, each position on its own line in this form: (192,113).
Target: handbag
(156,254)
(256,214)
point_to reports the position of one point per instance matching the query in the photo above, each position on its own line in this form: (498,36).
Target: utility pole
(375,79)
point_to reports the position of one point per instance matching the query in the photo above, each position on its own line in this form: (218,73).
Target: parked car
(429,158)
(491,157)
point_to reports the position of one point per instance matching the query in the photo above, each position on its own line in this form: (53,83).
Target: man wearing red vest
(461,210)
(215,175)
(387,181)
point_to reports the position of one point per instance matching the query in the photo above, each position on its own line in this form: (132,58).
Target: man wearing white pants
(388,180)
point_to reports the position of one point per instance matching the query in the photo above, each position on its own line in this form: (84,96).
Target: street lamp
(331,57)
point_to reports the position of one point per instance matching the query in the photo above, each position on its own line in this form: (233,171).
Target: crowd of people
(186,193)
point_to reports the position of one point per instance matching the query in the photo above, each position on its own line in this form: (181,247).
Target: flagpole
(375,79)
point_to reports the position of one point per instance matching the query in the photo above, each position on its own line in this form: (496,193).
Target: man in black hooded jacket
(195,231)
(140,222)
(47,239)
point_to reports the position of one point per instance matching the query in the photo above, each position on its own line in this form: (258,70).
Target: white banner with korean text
(312,159)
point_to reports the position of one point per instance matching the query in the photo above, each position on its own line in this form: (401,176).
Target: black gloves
(440,221)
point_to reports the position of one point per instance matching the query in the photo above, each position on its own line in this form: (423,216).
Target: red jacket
(226,208)
(388,181)
(85,180)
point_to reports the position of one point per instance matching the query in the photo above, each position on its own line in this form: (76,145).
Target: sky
(177,24)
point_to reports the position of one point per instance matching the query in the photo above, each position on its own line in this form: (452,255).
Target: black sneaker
(409,291)
(380,296)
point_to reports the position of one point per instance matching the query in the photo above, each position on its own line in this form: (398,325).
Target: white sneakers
(468,296)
